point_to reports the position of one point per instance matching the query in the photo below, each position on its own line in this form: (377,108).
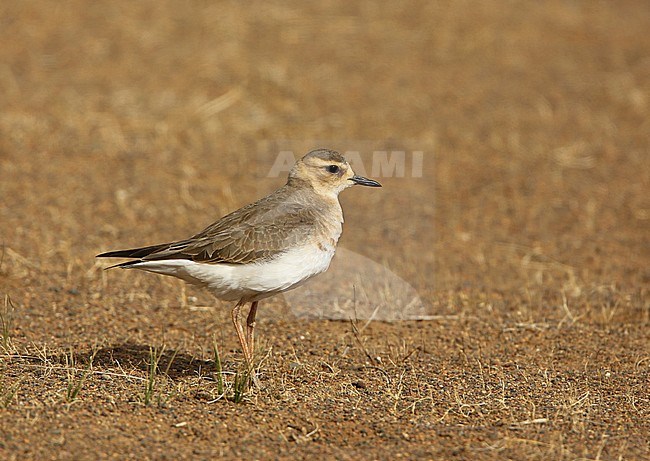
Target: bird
(262,249)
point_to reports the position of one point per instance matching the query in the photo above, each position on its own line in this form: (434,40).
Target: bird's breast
(288,270)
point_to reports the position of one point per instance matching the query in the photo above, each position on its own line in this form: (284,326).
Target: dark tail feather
(133,253)
(126,265)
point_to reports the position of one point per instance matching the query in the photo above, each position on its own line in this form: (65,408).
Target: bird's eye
(333,169)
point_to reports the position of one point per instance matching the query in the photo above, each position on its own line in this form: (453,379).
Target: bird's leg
(236,320)
(250,328)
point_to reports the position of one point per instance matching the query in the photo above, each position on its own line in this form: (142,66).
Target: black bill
(364,181)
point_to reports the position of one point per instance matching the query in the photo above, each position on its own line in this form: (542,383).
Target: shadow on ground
(128,356)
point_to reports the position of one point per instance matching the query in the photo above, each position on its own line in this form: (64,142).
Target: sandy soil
(524,235)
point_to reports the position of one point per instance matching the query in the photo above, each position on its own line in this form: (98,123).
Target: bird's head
(327,172)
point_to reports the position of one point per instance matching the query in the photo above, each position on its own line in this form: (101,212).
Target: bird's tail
(133,252)
(136,253)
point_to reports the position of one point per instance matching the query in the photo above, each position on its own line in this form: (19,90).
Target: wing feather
(256,232)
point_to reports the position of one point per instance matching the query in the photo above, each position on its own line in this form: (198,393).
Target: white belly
(251,282)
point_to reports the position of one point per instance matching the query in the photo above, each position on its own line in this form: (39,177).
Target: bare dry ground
(129,123)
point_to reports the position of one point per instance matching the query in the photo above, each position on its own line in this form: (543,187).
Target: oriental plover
(265,248)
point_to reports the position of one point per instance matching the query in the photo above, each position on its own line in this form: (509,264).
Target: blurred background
(523,239)
(129,123)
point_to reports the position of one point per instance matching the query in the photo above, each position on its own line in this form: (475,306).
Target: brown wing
(255,232)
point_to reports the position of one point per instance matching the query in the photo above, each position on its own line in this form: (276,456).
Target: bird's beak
(364,181)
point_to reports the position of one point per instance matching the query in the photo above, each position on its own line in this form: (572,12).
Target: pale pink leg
(250,329)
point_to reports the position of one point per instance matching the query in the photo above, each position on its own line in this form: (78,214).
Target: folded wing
(256,232)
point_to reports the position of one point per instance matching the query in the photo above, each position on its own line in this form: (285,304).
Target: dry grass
(525,238)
